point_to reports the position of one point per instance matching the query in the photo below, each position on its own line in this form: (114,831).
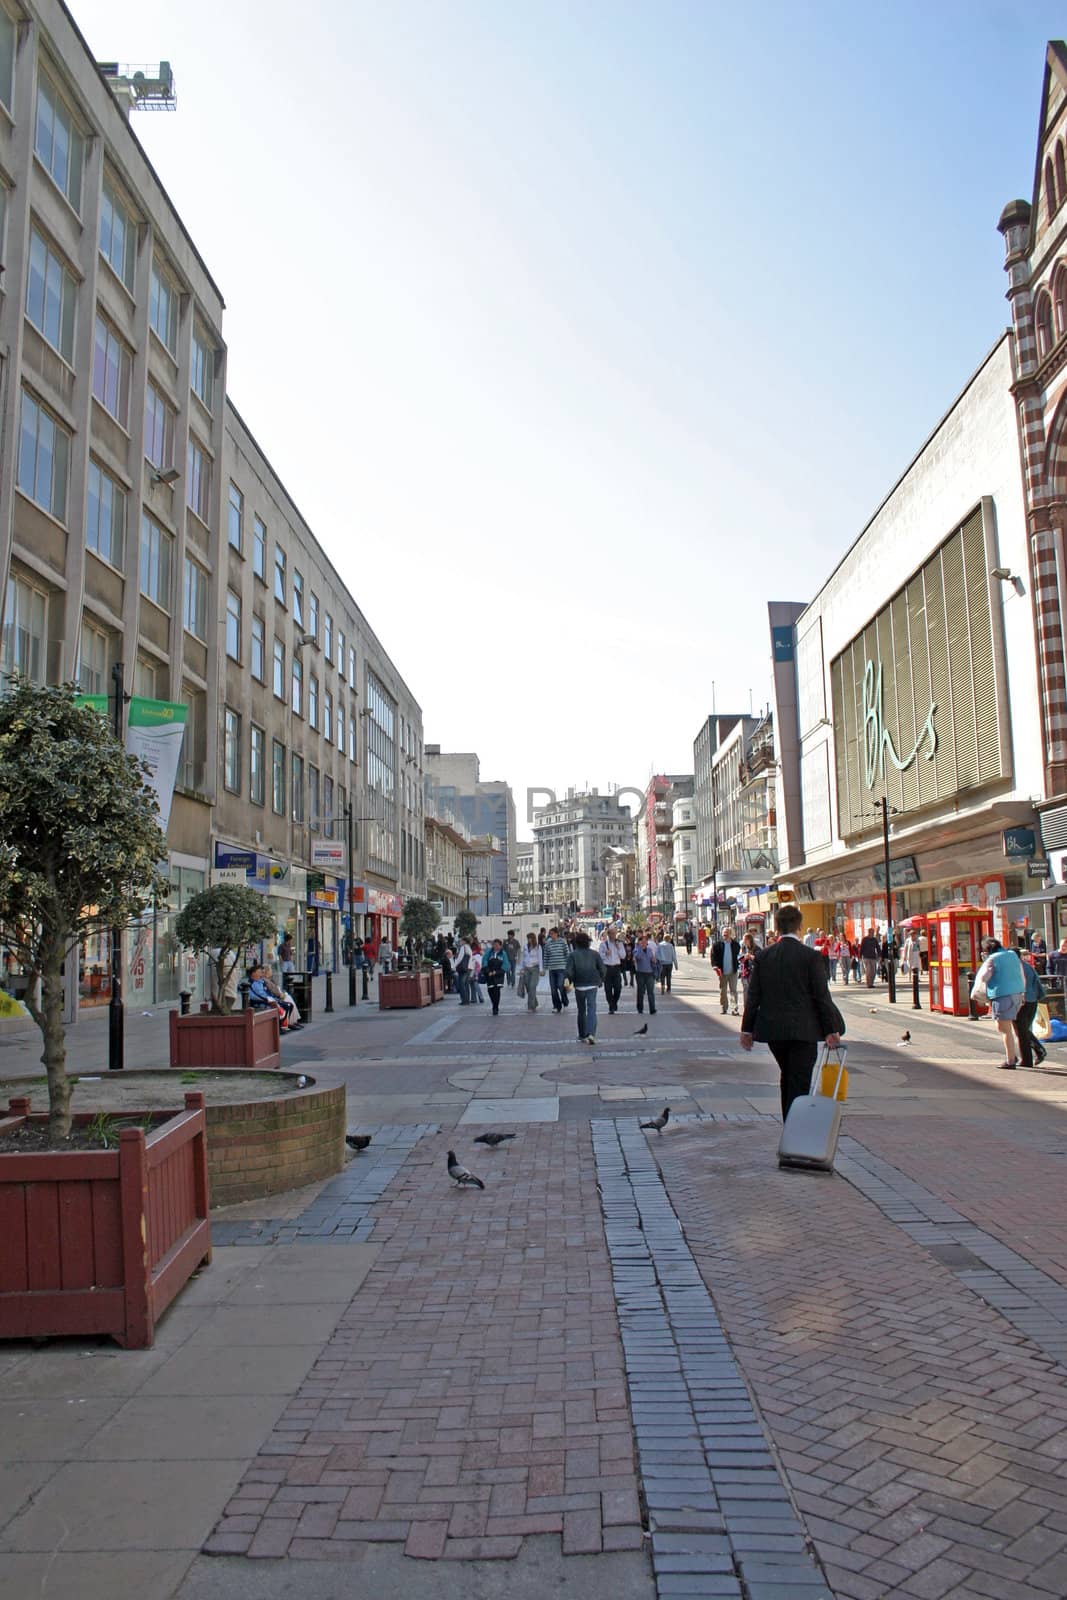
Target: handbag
(520,983)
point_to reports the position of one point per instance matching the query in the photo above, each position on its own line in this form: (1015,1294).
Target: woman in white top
(531,966)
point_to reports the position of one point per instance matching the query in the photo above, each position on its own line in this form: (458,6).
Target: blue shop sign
(782,640)
(1019,843)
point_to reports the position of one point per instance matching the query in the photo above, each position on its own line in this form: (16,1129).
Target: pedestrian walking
(646,966)
(531,966)
(702,939)
(585,970)
(464,958)
(870,955)
(496,969)
(749,952)
(476,973)
(1001,981)
(726,959)
(668,957)
(789,1007)
(612,953)
(689,938)
(513,950)
(1033,994)
(556,952)
(286,961)
(628,964)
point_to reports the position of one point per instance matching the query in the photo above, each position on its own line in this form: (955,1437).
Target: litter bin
(299,986)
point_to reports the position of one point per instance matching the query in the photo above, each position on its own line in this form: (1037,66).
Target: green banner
(154,733)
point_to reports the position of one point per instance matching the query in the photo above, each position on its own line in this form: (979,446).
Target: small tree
(466,924)
(219,923)
(419,921)
(80,845)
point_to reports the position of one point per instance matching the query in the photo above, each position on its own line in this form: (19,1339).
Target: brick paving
(924,1438)
(474,1391)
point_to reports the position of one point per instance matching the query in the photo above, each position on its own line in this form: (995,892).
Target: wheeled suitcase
(809,1136)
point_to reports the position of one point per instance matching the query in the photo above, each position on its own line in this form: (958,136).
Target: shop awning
(1039,897)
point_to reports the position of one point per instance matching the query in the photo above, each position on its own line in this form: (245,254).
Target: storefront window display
(157,968)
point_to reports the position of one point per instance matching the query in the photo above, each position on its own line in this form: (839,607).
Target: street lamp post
(350,818)
(116,1016)
(885,809)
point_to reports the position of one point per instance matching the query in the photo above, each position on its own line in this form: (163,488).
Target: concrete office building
(572,841)
(126,461)
(487,806)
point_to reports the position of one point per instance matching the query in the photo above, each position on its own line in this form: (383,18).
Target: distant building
(654,848)
(736,801)
(487,807)
(572,841)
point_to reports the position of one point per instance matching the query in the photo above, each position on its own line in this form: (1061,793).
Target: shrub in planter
(221,923)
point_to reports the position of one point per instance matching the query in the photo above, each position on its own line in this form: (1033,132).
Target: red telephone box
(956,934)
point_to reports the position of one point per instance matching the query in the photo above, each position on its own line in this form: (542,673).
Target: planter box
(402,990)
(101,1241)
(244,1039)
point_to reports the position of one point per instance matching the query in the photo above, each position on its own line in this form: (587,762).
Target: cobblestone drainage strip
(721,1519)
(342,1211)
(1034,1303)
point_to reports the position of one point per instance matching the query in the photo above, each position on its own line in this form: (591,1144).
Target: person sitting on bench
(264,992)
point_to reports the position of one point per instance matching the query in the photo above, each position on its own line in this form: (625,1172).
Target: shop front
(284,886)
(322,912)
(382,919)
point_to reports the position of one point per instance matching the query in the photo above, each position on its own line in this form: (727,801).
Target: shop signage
(902,872)
(782,639)
(387,905)
(236,876)
(324,899)
(877,739)
(245,860)
(1037,867)
(357,895)
(325,854)
(1019,843)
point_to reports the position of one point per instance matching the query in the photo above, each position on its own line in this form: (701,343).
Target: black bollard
(243,989)
(366,980)
(329,993)
(184,998)
(916,1003)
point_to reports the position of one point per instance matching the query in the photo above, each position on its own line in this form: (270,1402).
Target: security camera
(1006,575)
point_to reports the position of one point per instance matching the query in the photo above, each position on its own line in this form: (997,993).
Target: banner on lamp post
(154,733)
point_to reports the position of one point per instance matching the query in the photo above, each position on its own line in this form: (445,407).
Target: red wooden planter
(402,990)
(437,984)
(101,1241)
(244,1039)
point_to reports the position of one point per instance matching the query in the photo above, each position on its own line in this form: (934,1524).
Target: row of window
(1055,180)
(1050,313)
(309,792)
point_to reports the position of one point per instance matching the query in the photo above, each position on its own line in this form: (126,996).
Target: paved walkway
(634,1364)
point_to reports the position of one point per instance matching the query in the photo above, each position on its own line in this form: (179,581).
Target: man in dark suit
(789,1006)
(726,959)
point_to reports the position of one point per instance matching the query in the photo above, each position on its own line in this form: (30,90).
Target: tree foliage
(419,921)
(220,922)
(466,924)
(80,847)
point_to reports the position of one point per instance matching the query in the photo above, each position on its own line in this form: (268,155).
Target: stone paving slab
(923,1437)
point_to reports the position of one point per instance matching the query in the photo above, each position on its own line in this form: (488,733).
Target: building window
(144,679)
(279,574)
(155,562)
(1059,300)
(259,649)
(199,480)
(351,666)
(163,308)
(118,235)
(233,626)
(341,651)
(313,796)
(194,743)
(340,726)
(313,615)
(351,738)
(57,142)
(22,643)
(313,702)
(298,684)
(279,669)
(297,786)
(105,516)
(235,516)
(277,767)
(50,296)
(327,637)
(259,549)
(44,450)
(195,612)
(7,58)
(111,372)
(1043,325)
(91,671)
(327,715)
(257,777)
(327,807)
(158,429)
(202,367)
(1061,175)
(231,750)
(298,597)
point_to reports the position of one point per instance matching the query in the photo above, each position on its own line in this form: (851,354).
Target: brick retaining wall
(271,1145)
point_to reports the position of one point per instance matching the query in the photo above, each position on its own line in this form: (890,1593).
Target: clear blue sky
(579,329)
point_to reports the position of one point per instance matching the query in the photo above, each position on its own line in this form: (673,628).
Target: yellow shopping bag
(833,1074)
(1041,1029)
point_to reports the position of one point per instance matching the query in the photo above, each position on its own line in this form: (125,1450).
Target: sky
(580,329)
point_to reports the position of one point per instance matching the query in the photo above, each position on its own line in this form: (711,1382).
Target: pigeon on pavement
(643,1029)
(357,1141)
(493,1139)
(460,1174)
(905,1037)
(660,1122)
